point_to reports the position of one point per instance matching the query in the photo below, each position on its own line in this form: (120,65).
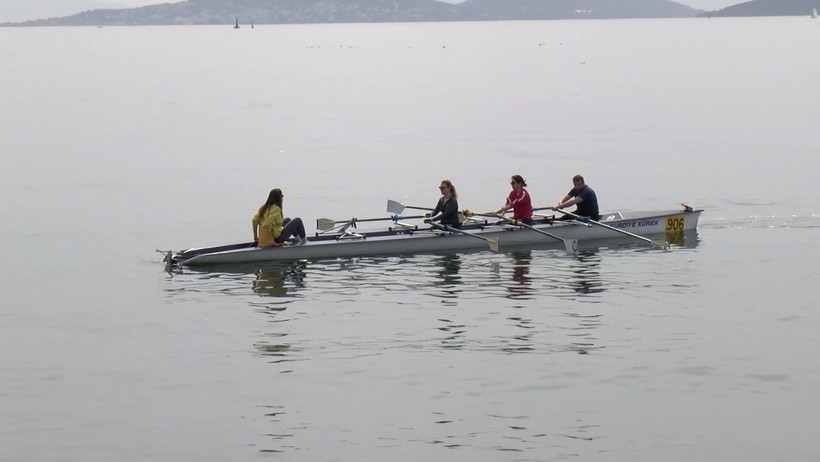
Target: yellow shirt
(270,227)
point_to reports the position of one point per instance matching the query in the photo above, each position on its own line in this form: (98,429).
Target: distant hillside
(575,9)
(194,12)
(768,8)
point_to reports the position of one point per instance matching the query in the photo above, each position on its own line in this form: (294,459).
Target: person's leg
(300,228)
(292,227)
(288,230)
(300,231)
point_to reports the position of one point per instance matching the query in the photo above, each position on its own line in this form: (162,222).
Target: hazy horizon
(25,10)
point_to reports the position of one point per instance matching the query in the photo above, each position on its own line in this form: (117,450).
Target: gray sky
(22,10)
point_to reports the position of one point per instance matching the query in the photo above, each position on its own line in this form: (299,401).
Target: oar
(570,244)
(662,245)
(469,213)
(493,243)
(324,224)
(398,207)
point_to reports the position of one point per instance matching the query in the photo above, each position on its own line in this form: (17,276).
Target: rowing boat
(408,235)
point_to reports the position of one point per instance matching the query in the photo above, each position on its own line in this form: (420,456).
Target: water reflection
(447,282)
(270,282)
(521,286)
(688,239)
(522,300)
(274,282)
(449,265)
(586,273)
(370,319)
(282,283)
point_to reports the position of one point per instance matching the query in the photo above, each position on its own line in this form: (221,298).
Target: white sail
(814,12)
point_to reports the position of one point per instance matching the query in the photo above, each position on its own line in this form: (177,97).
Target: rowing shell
(402,238)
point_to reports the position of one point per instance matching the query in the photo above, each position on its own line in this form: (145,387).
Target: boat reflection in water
(688,239)
(278,281)
(270,282)
(281,283)
(449,265)
(519,300)
(521,285)
(586,273)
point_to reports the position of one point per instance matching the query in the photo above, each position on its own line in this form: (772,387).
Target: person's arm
(432,216)
(561,201)
(507,206)
(435,210)
(255,225)
(276,222)
(568,201)
(571,202)
(449,210)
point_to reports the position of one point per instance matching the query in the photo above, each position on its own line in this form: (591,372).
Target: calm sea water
(119,141)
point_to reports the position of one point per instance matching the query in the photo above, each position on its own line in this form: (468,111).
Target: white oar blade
(571,245)
(395,207)
(324,224)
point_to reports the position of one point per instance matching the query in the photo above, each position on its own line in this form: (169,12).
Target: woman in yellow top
(270,229)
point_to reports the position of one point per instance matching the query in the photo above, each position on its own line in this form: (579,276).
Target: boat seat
(350,235)
(540,218)
(402,226)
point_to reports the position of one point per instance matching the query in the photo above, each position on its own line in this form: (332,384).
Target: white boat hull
(423,239)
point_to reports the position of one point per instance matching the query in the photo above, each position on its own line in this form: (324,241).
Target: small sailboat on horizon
(814,13)
(237,24)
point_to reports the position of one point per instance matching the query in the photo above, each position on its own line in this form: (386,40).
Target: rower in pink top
(519,201)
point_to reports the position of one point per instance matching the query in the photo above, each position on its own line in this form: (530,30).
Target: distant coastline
(215,12)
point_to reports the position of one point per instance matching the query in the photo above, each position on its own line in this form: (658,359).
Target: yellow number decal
(674,224)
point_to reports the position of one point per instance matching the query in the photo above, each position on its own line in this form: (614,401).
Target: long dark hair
(519,179)
(451,187)
(274,198)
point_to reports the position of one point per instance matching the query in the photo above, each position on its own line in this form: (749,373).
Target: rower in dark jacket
(583,198)
(446,211)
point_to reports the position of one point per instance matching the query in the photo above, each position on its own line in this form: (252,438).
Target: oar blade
(493,243)
(661,245)
(324,224)
(571,245)
(395,207)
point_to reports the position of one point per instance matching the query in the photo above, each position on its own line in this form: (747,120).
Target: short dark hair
(577,178)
